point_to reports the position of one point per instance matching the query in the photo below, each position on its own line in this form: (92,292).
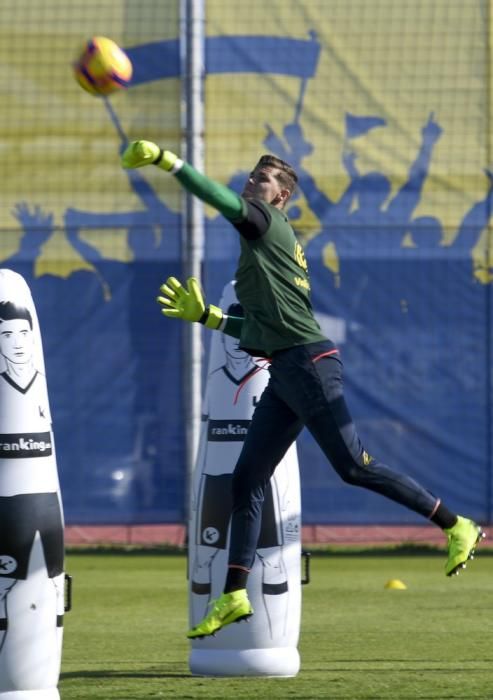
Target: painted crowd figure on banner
(428,235)
(362,220)
(383,264)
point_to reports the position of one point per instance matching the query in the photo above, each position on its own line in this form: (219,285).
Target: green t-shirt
(272,282)
(273,287)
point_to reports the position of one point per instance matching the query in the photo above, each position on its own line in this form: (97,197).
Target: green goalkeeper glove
(139,153)
(188,304)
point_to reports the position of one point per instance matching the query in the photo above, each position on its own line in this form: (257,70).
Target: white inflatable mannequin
(267,644)
(31,516)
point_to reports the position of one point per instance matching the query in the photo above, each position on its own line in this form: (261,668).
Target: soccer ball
(103,67)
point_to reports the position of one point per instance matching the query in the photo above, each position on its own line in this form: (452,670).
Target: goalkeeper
(305,386)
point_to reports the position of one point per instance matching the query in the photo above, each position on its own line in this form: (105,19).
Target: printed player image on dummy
(31,518)
(267,643)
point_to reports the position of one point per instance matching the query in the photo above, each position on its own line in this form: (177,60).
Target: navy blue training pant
(305,389)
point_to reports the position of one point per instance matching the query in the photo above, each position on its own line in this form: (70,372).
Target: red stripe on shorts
(325,354)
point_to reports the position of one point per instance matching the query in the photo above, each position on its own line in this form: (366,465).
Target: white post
(192,119)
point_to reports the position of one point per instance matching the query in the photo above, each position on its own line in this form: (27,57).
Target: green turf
(125,637)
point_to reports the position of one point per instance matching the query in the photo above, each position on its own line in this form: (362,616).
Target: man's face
(16,341)
(262,184)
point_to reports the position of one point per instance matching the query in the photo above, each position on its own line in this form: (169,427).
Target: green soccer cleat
(228,608)
(462,540)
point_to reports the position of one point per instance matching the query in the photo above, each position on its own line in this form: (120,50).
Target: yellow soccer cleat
(462,540)
(228,608)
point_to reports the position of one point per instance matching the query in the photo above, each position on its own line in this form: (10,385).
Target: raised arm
(74,221)
(226,201)
(407,198)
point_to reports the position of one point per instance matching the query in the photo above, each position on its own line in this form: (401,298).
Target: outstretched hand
(180,302)
(188,303)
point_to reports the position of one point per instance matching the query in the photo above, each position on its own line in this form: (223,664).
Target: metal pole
(192,119)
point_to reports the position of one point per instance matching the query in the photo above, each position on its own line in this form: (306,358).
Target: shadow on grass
(103,673)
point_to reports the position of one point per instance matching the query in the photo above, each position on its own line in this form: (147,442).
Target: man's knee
(354,473)
(351,474)
(355,467)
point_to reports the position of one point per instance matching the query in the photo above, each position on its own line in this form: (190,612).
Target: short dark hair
(287,177)
(11,312)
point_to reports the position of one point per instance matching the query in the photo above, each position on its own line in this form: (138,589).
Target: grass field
(125,637)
